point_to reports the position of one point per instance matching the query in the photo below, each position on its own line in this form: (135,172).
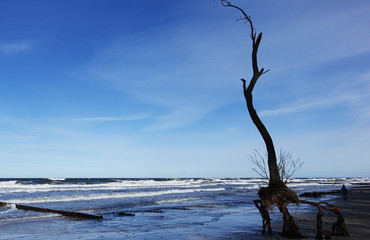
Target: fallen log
(64,213)
(318,194)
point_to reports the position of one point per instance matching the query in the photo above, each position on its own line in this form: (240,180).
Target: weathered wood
(266,220)
(64,213)
(318,194)
(290,228)
(338,228)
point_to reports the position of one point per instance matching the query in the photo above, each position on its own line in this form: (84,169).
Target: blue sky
(125,88)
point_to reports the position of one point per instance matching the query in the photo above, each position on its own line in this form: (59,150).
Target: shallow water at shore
(163,208)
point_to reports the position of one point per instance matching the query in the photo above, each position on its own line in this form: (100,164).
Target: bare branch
(260,164)
(287,165)
(263,71)
(246,17)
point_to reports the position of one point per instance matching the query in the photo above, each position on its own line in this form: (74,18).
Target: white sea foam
(120,185)
(8,208)
(176,200)
(12,187)
(110,196)
(57,179)
(7,183)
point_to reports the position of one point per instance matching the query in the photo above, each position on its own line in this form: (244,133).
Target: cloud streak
(298,107)
(14,47)
(110,119)
(181,77)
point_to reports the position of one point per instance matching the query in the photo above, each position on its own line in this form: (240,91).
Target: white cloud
(315,37)
(178,118)
(181,77)
(299,106)
(336,152)
(348,92)
(14,47)
(111,119)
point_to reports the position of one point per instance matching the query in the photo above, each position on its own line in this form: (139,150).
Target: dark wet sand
(356,211)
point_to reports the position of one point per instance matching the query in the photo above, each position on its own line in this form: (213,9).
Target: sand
(356,211)
(242,224)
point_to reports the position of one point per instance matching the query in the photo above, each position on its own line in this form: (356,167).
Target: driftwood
(64,213)
(318,194)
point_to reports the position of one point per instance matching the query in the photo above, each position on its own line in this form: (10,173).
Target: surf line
(64,213)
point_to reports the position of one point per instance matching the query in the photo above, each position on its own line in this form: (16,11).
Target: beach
(356,212)
(187,209)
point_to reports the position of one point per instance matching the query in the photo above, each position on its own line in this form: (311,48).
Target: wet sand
(243,222)
(356,211)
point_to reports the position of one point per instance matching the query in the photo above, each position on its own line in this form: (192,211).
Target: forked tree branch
(260,164)
(274,179)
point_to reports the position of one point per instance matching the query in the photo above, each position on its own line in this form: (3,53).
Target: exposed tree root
(290,228)
(266,220)
(338,228)
(280,196)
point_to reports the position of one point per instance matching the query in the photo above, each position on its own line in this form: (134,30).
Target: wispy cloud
(111,119)
(349,92)
(299,106)
(319,36)
(178,118)
(176,72)
(14,47)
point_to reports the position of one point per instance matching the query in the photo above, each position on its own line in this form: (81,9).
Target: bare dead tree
(277,193)
(274,179)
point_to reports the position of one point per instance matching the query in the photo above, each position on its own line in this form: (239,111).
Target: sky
(142,88)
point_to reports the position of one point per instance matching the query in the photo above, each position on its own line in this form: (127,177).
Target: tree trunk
(274,180)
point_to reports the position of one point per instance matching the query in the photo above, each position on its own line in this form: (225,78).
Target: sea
(133,208)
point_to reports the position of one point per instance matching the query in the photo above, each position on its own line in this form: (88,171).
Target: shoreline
(219,218)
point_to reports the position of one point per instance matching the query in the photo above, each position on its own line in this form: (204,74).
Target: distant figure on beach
(344,192)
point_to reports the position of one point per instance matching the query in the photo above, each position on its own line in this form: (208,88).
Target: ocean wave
(9,183)
(57,179)
(175,200)
(120,185)
(8,208)
(111,196)
(29,186)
